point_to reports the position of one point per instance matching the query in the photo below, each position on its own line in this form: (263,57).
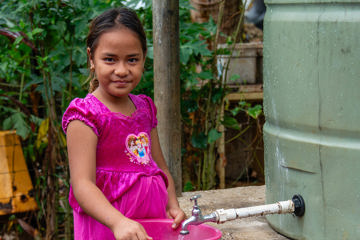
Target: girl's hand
(177,214)
(127,229)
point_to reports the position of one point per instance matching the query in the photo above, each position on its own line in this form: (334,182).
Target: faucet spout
(197,217)
(196,220)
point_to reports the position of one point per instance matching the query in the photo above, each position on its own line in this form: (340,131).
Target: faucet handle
(194,198)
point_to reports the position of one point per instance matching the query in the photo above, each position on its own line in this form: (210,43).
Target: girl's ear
(91,62)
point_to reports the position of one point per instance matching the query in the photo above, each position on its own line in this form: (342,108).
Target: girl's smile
(118,61)
(121,84)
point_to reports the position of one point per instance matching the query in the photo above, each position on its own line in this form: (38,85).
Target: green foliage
(252,111)
(213,135)
(17,121)
(199,140)
(43,67)
(204,86)
(188,187)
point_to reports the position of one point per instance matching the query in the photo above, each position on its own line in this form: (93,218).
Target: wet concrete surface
(252,228)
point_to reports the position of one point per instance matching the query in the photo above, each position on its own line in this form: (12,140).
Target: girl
(110,184)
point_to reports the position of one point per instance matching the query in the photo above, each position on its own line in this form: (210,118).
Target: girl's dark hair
(110,19)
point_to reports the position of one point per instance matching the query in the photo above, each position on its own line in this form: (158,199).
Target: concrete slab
(252,228)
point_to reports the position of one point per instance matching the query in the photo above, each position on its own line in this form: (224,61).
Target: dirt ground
(252,228)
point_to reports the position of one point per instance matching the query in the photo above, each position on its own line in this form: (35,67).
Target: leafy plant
(43,67)
(204,109)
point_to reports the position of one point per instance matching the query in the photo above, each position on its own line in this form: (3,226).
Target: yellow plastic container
(16,190)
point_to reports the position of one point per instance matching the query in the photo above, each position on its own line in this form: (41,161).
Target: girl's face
(118,61)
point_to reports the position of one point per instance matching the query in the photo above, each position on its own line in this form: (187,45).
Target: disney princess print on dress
(138,148)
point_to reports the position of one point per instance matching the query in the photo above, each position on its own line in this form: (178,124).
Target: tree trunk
(167,83)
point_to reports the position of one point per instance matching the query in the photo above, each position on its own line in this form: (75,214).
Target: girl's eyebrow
(134,55)
(114,55)
(109,54)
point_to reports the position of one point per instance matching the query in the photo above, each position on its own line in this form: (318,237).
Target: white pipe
(276,208)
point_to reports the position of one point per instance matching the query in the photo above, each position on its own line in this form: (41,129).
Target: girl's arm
(81,144)
(173,208)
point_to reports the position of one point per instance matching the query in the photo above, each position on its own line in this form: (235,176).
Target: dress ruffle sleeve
(83,110)
(152,108)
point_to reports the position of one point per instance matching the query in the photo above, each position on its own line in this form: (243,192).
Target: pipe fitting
(299,205)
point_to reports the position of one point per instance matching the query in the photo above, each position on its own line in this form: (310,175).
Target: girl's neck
(122,104)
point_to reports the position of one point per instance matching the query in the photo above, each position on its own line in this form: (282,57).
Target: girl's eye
(108,59)
(133,60)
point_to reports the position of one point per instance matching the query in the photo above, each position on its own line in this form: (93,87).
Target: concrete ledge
(252,228)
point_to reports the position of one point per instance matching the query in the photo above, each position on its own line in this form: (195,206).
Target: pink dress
(125,170)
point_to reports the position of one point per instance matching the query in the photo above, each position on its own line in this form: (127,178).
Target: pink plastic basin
(160,229)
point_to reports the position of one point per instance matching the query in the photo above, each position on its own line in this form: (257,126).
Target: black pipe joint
(299,204)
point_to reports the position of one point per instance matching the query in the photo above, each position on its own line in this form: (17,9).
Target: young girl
(111,183)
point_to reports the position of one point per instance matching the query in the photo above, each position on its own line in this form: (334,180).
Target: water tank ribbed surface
(312,109)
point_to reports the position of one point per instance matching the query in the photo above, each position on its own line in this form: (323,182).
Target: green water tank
(312,109)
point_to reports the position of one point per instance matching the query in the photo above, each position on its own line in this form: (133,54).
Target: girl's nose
(121,69)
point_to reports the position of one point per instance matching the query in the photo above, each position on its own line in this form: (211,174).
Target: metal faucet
(295,206)
(197,217)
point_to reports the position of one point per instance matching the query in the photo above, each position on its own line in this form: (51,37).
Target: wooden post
(221,161)
(167,83)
